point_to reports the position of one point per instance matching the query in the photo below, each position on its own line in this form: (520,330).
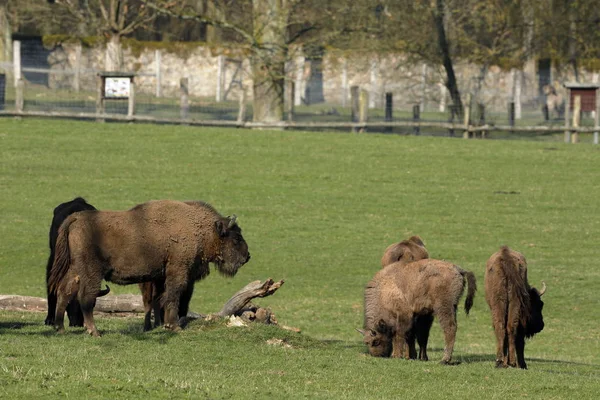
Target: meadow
(317,210)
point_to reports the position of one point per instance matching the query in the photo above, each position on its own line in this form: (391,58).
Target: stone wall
(410,84)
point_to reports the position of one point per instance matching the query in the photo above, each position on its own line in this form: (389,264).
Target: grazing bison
(406,251)
(516,307)
(398,293)
(61,212)
(167,241)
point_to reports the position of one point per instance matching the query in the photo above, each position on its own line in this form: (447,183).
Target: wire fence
(361,94)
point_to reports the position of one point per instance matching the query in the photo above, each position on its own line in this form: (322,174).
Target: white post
(597,116)
(442,96)
(374,72)
(157,66)
(220,77)
(345,82)
(298,80)
(423,86)
(77,78)
(517,75)
(17,61)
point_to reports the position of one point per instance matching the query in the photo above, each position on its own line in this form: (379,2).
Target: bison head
(535,323)
(233,250)
(406,251)
(378,340)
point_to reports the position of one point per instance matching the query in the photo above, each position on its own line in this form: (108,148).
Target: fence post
(416,118)
(19,98)
(344,83)
(467,119)
(77,83)
(451,118)
(17,61)
(389,109)
(511,113)
(354,104)
(99,98)
(597,116)
(363,108)
(131,99)
(568,117)
(242,109)
(576,118)
(220,76)
(184,98)
(158,58)
(481,110)
(290,100)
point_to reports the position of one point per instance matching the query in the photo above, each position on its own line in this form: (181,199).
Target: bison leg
(66,293)
(148,300)
(423,326)
(74,313)
(447,318)
(520,348)
(511,327)
(51,309)
(175,285)
(88,302)
(184,303)
(411,350)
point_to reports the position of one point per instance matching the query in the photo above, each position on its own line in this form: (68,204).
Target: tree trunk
(268,59)
(444,48)
(114,54)
(5,36)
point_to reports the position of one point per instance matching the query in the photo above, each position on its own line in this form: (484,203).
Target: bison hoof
(59,330)
(49,322)
(94,333)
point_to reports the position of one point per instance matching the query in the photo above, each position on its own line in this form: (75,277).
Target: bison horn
(362,332)
(543,289)
(232,221)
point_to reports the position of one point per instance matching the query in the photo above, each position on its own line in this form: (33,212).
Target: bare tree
(112,19)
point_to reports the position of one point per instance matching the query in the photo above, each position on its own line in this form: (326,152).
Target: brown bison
(166,241)
(398,293)
(516,307)
(406,251)
(61,212)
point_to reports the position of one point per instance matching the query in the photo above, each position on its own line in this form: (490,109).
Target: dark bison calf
(406,251)
(398,293)
(516,307)
(61,212)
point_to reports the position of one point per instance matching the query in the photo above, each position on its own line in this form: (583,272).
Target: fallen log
(123,303)
(243,296)
(238,305)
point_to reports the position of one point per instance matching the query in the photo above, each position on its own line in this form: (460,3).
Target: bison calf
(398,293)
(406,251)
(515,306)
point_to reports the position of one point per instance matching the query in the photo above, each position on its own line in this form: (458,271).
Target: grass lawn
(317,210)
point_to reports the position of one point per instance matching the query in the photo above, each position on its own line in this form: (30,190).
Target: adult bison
(406,251)
(167,241)
(398,293)
(61,212)
(516,307)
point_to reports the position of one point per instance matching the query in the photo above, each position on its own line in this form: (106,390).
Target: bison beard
(61,212)
(515,306)
(167,241)
(406,251)
(398,293)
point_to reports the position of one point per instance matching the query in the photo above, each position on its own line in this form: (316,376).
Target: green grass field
(317,210)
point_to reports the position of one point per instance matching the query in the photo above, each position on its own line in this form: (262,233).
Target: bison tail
(472,288)
(62,257)
(515,282)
